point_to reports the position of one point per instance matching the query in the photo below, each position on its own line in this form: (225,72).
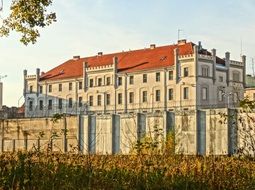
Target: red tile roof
(143,59)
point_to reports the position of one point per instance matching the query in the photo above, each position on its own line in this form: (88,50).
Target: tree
(26,17)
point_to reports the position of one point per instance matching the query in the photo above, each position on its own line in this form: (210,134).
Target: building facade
(182,76)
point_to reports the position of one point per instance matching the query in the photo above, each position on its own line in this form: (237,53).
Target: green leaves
(27,17)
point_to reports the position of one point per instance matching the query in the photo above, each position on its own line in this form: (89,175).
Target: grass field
(35,170)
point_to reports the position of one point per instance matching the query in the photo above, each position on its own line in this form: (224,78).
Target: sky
(85,27)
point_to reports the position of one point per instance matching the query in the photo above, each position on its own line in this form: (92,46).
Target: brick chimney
(182,42)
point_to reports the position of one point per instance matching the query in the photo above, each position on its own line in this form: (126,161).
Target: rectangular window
(60,87)
(41,104)
(99,82)
(50,104)
(70,102)
(131,79)
(41,89)
(108,81)
(186,93)
(186,72)
(157,95)
(80,101)
(119,98)
(144,78)
(220,78)
(204,93)
(90,100)
(170,94)
(170,75)
(30,105)
(70,86)
(144,96)
(80,85)
(31,89)
(236,77)
(205,71)
(157,77)
(119,81)
(60,101)
(91,82)
(108,99)
(131,97)
(99,100)
(50,88)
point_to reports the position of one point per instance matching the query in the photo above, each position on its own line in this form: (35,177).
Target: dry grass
(35,170)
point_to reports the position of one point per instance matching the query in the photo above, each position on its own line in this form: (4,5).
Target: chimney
(182,42)
(200,46)
(152,46)
(76,57)
(100,53)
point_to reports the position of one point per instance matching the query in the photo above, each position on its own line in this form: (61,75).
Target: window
(60,101)
(80,101)
(70,86)
(99,82)
(220,78)
(236,76)
(50,104)
(204,93)
(144,78)
(108,80)
(170,94)
(40,89)
(60,87)
(91,82)
(205,71)
(41,104)
(220,95)
(31,89)
(50,88)
(119,98)
(144,96)
(131,97)
(70,102)
(90,100)
(99,100)
(119,81)
(157,95)
(186,72)
(131,79)
(186,93)
(30,105)
(80,85)
(170,75)
(108,99)
(157,77)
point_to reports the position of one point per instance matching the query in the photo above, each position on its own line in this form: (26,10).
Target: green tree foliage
(26,17)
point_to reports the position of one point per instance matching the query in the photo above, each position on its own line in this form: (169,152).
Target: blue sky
(85,27)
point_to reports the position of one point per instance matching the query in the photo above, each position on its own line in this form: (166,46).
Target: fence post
(81,134)
(201,132)
(65,135)
(232,131)
(91,134)
(141,126)
(115,134)
(170,122)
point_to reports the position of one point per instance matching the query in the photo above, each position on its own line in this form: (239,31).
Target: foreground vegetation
(35,170)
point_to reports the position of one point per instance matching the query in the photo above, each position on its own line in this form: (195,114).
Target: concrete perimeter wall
(203,132)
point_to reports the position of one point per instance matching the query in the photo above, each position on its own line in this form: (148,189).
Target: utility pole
(1,91)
